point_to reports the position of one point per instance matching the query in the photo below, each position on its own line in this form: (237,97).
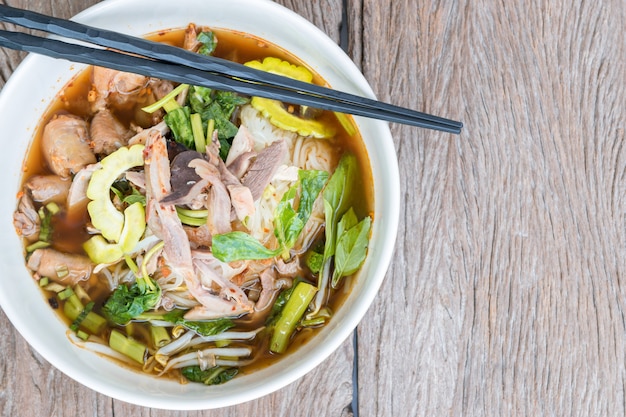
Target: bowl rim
(384,227)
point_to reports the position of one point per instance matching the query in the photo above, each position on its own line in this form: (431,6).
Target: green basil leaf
(348,221)
(289,223)
(312,181)
(351,249)
(286,221)
(335,195)
(235,246)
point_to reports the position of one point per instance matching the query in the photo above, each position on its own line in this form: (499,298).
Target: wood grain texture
(511,302)
(506,295)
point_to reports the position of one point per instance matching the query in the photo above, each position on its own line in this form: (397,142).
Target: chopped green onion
(92,322)
(53,208)
(54,287)
(198,132)
(82,294)
(209,130)
(191,221)
(160,337)
(171,105)
(66,293)
(62,271)
(37,245)
(172,94)
(127,346)
(222,343)
(44,281)
(45,229)
(197,214)
(82,335)
(293,311)
(82,316)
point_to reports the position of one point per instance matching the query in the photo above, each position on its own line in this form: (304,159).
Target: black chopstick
(194,69)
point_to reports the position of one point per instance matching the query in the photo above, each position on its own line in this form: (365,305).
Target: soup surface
(190,233)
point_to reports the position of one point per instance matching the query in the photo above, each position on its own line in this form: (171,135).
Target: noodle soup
(189,233)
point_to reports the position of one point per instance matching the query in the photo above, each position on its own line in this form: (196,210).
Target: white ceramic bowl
(25,98)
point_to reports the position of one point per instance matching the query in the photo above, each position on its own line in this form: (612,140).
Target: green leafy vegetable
(129,301)
(203,328)
(278,305)
(180,124)
(314,261)
(127,193)
(336,194)
(45,228)
(288,223)
(351,247)
(81,317)
(208,41)
(212,376)
(234,246)
(199,98)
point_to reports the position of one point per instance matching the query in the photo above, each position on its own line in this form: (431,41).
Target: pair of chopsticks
(153,59)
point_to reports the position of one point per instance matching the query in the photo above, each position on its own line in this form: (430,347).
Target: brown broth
(240,47)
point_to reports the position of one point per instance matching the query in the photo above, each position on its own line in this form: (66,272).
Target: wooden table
(506,295)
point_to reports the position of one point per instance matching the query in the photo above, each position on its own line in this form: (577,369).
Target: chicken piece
(107,133)
(48,188)
(264,167)
(269,289)
(199,236)
(190,41)
(164,222)
(65,145)
(218,202)
(64,268)
(26,220)
(116,89)
(240,195)
(242,142)
(142,136)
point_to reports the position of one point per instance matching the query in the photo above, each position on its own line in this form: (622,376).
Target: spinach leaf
(225,128)
(235,246)
(229,101)
(180,124)
(199,98)
(212,376)
(351,247)
(129,301)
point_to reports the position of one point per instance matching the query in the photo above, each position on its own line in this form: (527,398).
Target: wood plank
(31,386)
(510,301)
